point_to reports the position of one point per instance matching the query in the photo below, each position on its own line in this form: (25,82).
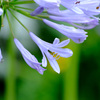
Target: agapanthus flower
(78,20)
(52,51)
(77,35)
(29,58)
(47,4)
(1,56)
(89,7)
(1,11)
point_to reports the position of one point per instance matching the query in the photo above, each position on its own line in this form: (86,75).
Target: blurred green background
(80,74)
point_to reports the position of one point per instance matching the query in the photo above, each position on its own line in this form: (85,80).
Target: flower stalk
(18,20)
(10,78)
(71,74)
(21,2)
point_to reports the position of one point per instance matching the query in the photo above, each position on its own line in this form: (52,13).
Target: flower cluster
(81,14)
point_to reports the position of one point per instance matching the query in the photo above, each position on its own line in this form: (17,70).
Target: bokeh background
(80,74)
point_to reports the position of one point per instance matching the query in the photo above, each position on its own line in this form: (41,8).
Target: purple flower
(78,20)
(1,11)
(48,3)
(71,5)
(1,56)
(77,35)
(52,51)
(29,58)
(37,11)
(89,7)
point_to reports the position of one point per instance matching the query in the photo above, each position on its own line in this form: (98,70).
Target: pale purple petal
(62,52)
(37,11)
(1,56)
(53,62)
(77,35)
(63,43)
(29,58)
(88,25)
(70,4)
(89,7)
(56,41)
(48,3)
(52,51)
(1,11)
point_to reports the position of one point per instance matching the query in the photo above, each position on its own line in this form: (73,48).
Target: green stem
(71,75)
(25,13)
(9,23)
(21,2)
(19,21)
(24,8)
(10,78)
(43,16)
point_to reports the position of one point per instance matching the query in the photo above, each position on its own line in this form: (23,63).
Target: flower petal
(1,11)
(34,65)
(63,52)
(53,62)
(77,35)
(1,56)
(29,58)
(63,43)
(48,3)
(37,11)
(56,41)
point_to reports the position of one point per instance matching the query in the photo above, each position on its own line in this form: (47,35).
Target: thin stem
(43,16)
(21,2)
(9,24)
(10,93)
(19,21)
(25,13)
(24,8)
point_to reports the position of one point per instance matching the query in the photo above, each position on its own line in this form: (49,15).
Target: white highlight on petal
(1,56)
(1,11)
(56,41)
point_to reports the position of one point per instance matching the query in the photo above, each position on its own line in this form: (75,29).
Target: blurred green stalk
(10,78)
(71,74)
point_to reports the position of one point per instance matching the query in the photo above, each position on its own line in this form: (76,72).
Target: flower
(77,35)
(1,11)
(48,3)
(78,20)
(71,5)
(89,7)
(1,56)
(52,51)
(29,58)
(37,11)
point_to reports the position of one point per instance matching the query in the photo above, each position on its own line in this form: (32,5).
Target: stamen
(55,55)
(97,7)
(77,2)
